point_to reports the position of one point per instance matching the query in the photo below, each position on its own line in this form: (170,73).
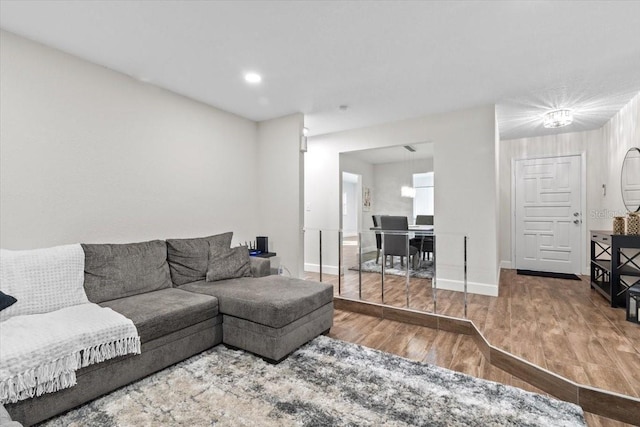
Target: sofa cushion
(273,301)
(189,258)
(228,263)
(115,271)
(162,312)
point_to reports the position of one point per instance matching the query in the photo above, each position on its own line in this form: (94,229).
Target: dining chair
(424,220)
(424,243)
(396,244)
(376,223)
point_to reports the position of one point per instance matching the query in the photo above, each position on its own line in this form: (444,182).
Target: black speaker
(262,244)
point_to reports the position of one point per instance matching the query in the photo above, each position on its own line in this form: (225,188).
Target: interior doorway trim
(583,206)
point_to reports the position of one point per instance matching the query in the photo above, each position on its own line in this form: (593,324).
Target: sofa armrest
(260,267)
(5,419)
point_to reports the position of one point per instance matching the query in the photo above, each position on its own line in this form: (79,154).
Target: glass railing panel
(360,276)
(433,281)
(404,282)
(450,290)
(322,256)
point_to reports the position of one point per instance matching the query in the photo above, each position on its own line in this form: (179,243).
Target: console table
(612,270)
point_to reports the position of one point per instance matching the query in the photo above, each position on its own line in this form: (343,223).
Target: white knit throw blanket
(40,353)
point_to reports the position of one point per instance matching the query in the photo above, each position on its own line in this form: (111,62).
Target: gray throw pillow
(228,263)
(113,271)
(189,258)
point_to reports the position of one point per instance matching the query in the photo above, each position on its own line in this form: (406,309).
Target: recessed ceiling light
(557,118)
(253,78)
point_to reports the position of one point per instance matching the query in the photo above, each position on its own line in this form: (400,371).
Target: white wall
(280,182)
(389,178)
(91,155)
(466,202)
(464,188)
(604,150)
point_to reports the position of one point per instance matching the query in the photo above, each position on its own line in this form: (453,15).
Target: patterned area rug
(424,270)
(325,383)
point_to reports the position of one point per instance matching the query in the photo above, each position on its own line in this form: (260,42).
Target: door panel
(548,214)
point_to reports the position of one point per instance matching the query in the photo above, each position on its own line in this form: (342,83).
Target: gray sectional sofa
(161,286)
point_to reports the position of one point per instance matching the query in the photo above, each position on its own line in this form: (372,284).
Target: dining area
(395,237)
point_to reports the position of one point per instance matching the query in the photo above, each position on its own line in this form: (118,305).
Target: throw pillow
(42,280)
(189,258)
(6,300)
(228,263)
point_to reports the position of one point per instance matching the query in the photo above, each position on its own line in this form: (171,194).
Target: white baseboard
(505,264)
(326,269)
(472,287)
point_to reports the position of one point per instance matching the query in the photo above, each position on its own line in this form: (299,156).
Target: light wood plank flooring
(560,325)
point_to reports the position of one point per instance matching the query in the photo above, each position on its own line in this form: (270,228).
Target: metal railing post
(384,261)
(359,265)
(407,278)
(433,279)
(465,276)
(320,234)
(340,262)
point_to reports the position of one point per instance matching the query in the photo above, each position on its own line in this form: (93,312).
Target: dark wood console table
(612,270)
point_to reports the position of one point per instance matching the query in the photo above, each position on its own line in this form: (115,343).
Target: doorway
(351,204)
(547,210)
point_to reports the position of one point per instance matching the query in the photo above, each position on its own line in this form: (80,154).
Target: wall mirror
(630,180)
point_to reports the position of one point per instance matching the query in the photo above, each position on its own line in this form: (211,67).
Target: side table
(274,266)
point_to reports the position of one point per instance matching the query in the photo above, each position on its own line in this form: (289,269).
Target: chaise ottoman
(270,316)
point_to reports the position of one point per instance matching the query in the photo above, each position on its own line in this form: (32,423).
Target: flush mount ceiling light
(557,118)
(252,78)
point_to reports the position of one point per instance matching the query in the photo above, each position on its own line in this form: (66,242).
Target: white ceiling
(386,60)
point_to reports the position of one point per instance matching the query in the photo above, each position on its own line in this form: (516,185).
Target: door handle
(576,221)
(576,214)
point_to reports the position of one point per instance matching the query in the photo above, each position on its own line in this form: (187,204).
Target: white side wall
(466,201)
(604,150)
(620,133)
(280,184)
(91,155)
(464,188)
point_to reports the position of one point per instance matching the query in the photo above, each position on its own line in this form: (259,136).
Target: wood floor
(560,325)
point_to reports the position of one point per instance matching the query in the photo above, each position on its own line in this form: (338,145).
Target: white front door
(548,214)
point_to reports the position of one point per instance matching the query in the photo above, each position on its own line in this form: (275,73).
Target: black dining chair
(396,244)
(424,220)
(424,243)
(376,223)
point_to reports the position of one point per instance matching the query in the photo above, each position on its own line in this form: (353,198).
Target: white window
(423,201)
